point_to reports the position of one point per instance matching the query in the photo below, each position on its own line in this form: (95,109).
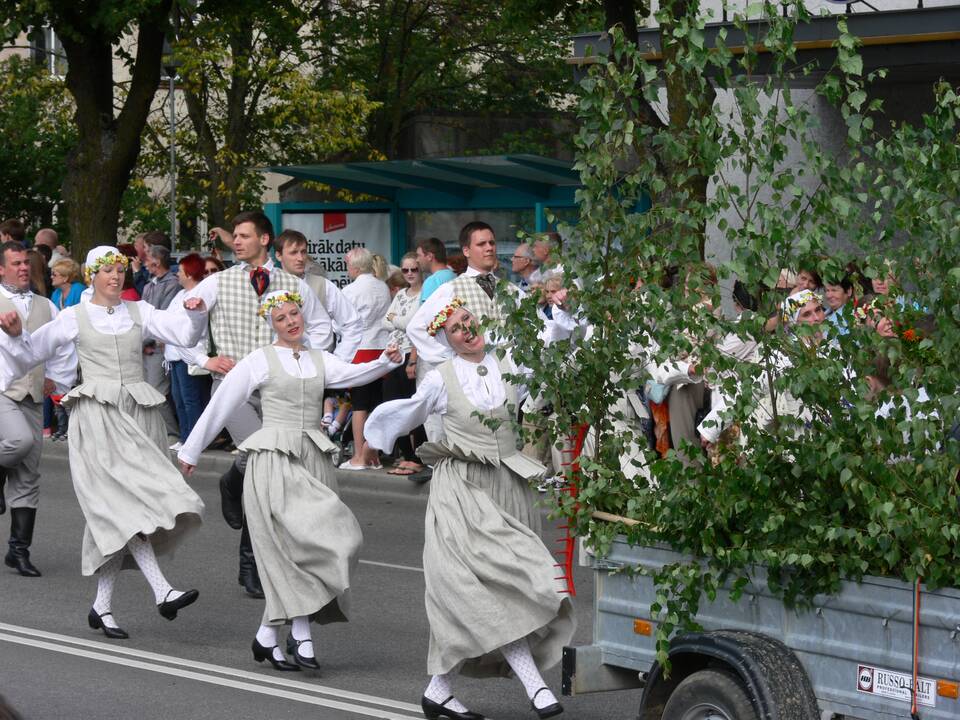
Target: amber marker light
(643,627)
(948,689)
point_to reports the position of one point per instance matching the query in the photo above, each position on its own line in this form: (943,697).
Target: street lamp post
(170,65)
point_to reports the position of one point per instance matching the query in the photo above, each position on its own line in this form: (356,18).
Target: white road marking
(391,565)
(252,682)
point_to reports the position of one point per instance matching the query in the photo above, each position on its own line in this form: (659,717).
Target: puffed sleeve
(237,387)
(53,342)
(338,374)
(182,328)
(428,347)
(398,417)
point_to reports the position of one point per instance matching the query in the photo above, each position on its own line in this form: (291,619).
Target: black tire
(709,695)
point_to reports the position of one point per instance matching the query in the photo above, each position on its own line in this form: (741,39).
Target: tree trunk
(99,167)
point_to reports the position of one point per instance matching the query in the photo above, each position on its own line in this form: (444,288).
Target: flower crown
(441,317)
(111,258)
(275,300)
(794,303)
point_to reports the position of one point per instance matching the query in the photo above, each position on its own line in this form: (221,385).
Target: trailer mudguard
(772,675)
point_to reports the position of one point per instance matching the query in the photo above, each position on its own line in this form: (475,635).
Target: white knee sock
(300,629)
(521,662)
(106,580)
(142,552)
(441,688)
(267,636)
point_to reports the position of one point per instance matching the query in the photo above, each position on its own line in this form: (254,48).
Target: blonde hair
(70,269)
(380,267)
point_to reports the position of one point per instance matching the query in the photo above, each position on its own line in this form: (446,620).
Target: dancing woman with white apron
(134,501)
(492,598)
(305,539)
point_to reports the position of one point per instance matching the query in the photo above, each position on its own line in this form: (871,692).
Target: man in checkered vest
(482,292)
(233,298)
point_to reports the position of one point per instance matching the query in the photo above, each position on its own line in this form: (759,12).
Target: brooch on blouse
(109,309)
(481,370)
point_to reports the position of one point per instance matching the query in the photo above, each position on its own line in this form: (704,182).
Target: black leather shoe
(548,711)
(95,621)
(436,711)
(231,497)
(248,576)
(261,653)
(302,661)
(170,608)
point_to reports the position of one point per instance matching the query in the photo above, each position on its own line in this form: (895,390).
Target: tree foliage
(108,131)
(416,56)
(820,487)
(35,124)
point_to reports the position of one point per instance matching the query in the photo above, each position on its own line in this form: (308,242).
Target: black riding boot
(249,578)
(21,535)
(231,497)
(3,494)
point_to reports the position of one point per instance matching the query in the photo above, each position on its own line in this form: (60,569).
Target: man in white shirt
(233,298)
(291,250)
(481,290)
(21,408)
(371,298)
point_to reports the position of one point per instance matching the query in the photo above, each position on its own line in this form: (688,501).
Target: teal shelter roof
(495,181)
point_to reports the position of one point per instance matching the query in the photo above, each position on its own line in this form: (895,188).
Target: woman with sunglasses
(401,383)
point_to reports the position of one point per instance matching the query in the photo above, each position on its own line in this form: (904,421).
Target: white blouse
(254,370)
(398,316)
(196,355)
(398,417)
(174,328)
(61,367)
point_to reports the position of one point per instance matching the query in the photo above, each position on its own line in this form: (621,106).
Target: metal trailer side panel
(867,624)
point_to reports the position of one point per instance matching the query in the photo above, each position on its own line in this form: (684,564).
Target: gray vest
(475,299)
(235,327)
(30,384)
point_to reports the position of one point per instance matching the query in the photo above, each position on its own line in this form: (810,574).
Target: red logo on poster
(334,221)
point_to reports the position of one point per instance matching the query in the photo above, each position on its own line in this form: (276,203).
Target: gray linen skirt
(122,474)
(489,578)
(306,540)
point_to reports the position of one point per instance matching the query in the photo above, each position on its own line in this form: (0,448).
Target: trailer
(847,656)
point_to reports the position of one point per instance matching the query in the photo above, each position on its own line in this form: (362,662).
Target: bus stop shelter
(526,188)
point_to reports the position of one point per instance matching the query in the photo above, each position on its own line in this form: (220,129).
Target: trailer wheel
(709,695)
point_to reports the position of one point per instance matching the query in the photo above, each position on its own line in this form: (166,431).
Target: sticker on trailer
(895,685)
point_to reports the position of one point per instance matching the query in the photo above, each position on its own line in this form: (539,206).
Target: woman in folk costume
(133,498)
(493,601)
(305,539)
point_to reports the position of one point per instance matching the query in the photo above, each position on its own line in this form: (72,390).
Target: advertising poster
(332,235)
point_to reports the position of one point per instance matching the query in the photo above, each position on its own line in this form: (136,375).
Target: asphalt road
(53,666)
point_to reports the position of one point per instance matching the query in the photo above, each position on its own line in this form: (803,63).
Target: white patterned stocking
(521,662)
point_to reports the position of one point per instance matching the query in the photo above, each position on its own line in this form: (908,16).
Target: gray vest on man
(31,384)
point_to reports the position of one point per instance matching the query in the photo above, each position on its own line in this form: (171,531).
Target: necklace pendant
(296,355)
(110,310)
(481,370)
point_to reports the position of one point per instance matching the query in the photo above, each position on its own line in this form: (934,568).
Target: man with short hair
(233,298)
(481,291)
(432,259)
(525,264)
(159,291)
(21,407)
(13,230)
(291,251)
(48,237)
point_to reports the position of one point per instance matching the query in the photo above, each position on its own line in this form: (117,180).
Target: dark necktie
(14,290)
(260,279)
(487,283)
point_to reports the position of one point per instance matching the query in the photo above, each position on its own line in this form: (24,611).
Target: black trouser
(397,386)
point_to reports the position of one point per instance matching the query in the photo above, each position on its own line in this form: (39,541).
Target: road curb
(218,462)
